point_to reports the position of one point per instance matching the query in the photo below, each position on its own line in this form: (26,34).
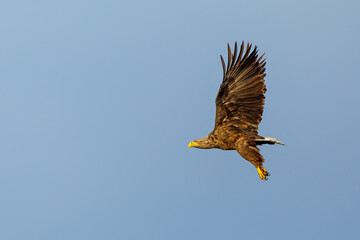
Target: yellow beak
(192,144)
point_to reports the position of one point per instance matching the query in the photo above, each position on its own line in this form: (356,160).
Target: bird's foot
(263,174)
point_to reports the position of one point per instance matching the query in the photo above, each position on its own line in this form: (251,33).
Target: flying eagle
(239,107)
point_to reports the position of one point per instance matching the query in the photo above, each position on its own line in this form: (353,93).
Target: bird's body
(239,107)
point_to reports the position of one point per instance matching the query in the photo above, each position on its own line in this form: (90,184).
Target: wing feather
(229,58)
(235,52)
(240,100)
(223,65)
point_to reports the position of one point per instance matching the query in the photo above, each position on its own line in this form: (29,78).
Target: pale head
(204,143)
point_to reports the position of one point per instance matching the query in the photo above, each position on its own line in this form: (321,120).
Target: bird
(239,108)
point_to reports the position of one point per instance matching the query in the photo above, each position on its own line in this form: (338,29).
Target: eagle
(239,108)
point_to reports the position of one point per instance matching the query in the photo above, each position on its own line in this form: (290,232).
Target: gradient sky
(99,100)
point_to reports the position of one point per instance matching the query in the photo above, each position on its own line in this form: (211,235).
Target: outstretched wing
(240,100)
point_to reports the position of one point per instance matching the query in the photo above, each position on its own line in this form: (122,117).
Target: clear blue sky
(99,99)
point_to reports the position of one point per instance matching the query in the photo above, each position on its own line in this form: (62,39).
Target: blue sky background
(99,100)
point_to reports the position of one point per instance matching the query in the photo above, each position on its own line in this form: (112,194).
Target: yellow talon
(263,174)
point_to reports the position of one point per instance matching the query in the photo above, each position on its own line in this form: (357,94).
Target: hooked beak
(192,144)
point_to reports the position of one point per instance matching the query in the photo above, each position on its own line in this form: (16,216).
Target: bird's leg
(248,150)
(263,173)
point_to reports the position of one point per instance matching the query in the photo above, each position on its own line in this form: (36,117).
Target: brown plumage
(239,108)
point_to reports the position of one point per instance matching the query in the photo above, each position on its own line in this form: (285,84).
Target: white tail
(268,140)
